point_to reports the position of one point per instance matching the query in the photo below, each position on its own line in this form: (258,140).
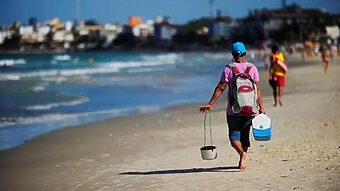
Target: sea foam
(54,105)
(147,62)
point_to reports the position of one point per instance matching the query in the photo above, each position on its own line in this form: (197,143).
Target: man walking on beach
(277,72)
(238,118)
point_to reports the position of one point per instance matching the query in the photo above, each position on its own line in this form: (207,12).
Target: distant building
(25,30)
(135,20)
(68,26)
(163,30)
(63,36)
(333,32)
(106,32)
(28,36)
(110,32)
(221,26)
(144,29)
(32,21)
(43,30)
(56,24)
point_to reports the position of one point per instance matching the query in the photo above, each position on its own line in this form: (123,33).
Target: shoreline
(160,150)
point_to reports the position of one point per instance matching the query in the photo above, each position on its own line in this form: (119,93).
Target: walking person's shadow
(185,171)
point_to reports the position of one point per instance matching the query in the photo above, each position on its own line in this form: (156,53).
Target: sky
(118,11)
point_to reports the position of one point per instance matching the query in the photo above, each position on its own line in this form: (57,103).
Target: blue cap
(238,49)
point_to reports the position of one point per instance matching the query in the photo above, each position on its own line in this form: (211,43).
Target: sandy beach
(160,151)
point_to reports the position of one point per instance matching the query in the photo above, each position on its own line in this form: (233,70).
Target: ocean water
(40,93)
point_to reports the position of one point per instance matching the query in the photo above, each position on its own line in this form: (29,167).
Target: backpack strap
(248,69)
(233,68)
(236,71)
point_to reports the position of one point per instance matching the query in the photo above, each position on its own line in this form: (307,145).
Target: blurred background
(71,25)
(71,62)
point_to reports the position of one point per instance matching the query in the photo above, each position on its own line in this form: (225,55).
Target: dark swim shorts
(239,128)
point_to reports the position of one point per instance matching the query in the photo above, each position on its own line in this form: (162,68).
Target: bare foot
(280,102)
(243,161)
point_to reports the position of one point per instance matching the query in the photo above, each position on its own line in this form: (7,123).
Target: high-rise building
(32,21)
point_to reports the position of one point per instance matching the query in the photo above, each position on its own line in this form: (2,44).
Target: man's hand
(262,110)
(204,108)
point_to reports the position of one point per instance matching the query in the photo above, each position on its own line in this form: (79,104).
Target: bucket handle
(204,128)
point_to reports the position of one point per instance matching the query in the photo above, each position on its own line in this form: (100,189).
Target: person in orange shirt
(277,72)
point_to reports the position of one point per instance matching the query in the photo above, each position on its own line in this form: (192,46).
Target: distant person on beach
(325,56)
(265,54)
(277,72)
(239,122)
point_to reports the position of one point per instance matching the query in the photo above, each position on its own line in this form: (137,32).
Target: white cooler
(262,128)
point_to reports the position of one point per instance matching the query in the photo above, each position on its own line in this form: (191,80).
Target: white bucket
(209,152)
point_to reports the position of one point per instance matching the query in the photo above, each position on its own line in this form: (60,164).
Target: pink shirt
(227,76)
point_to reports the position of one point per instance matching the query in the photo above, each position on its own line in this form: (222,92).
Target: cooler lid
(261,122)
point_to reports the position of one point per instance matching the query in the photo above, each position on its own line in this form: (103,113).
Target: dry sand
(160,151)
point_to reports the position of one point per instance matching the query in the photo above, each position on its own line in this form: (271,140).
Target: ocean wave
(77,118)
(147,61)
(142,70)
(7,121)
(11,62)
(57,79)
(62,57)
(170,58)
(30,120)
(101,68)
(38,88)
(57,75)
(54,105)
(9,77)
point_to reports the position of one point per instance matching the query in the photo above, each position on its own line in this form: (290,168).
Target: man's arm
(217,93)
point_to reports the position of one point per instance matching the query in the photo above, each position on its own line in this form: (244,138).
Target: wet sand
(160,151)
